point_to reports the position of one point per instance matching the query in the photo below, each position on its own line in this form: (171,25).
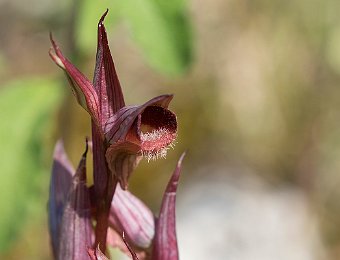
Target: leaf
(162,31)
(160,28)
(26,112)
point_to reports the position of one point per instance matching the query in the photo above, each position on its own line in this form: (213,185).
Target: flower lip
(120,124)
(158,128)
(133,131)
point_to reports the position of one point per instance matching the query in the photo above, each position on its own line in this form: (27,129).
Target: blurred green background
(257,95)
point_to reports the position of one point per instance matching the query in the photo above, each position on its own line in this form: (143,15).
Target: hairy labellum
(146,130)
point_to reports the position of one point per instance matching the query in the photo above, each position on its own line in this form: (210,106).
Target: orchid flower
(121,134)
(147,129)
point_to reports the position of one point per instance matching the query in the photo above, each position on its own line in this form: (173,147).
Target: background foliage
(257,95)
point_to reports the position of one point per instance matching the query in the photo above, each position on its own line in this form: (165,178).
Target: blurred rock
(240,217)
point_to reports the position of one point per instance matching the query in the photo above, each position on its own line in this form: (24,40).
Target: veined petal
(61,181)
(76,228)
(106,82)
(130,215)
(81,86)
(122,158)
(165,242)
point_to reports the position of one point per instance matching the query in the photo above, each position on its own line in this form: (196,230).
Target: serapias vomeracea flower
(127,131)
(121,136)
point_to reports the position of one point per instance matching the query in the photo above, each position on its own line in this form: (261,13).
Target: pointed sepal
(81,86)
(165,242)
(61,182)
(76,227)
(106,82)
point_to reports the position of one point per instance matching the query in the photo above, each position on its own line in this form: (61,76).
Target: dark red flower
(127,131)
(121,136)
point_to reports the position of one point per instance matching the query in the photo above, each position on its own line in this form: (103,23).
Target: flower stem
(102,226)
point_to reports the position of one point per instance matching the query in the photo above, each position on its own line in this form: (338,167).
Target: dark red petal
(122,159)
(165,242)
(81,86)
(130,214)
(76,228)
(119,124)
(106,82)
(61,181)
